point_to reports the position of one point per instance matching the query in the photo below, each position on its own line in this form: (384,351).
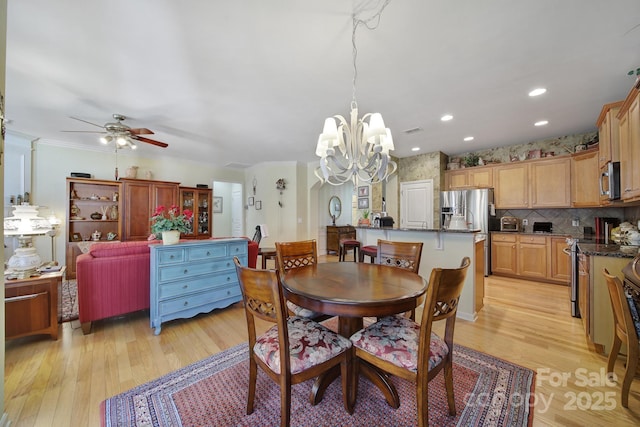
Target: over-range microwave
(610,181)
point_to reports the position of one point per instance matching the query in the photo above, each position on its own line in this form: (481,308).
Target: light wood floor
(62,383)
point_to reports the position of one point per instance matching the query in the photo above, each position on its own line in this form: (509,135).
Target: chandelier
(357,150)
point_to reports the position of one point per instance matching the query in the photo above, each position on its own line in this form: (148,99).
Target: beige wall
(3,56)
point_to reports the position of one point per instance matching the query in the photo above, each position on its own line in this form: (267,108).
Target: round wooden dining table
(353,291)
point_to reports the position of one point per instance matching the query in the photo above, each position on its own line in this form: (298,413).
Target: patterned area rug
(68,300)
(213,392)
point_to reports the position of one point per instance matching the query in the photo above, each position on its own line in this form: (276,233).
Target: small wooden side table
(31,305)
(266,253)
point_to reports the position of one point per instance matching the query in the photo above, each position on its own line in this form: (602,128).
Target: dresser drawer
(206,252)
(504,237)
(182,287)
(537,240)
(195,300)
(193,269)
(238,248)
(170,256)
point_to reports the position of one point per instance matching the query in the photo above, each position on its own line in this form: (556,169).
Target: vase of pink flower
(169,223)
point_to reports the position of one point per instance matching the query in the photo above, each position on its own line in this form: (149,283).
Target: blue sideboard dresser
(194,277)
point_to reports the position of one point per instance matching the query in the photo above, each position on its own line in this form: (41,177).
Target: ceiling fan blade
(81,120)
(150,141)
(141,131)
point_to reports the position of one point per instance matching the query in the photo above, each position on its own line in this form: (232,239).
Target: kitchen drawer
(536,240)
(171,256)
(199,299)
(504,237)
(182,287)
(194,269)
(206,252)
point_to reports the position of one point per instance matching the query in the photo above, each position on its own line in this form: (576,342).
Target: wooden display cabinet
(197,200)
(140,199)
(335,233)
(87,198)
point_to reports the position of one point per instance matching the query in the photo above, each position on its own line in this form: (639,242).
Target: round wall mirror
(335,207)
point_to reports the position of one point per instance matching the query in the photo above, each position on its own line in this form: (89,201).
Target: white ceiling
(248,81)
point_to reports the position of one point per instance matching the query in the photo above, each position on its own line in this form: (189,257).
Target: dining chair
(298,254)
(294,349)
(410,350)
(626,331)
(405,255)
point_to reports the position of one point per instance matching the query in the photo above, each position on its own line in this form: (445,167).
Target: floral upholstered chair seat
(396,340)
(311,344)
(296,310)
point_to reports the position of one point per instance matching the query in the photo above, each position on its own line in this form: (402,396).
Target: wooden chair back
(399,254)
(264,299)
(295,254)
(624,332)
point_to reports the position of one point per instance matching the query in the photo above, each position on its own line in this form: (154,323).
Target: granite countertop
(611,250)
(531,233)
(431,230)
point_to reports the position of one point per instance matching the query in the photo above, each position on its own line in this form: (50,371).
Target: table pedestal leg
(347,326)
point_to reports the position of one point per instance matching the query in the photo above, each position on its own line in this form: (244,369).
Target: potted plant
(365,218)
(168,224)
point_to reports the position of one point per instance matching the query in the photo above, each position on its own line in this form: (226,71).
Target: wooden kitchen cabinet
(550,183)
(197,200)
(559,262)
(608,132)
(584,179)
(532,256)
(474,177)
(629,128)
(140,199)
(511,185)
(504,255)
(335,233)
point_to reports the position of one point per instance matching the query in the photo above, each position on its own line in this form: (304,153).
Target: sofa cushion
(121,248)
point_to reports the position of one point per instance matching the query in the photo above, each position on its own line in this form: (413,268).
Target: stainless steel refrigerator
(478,208)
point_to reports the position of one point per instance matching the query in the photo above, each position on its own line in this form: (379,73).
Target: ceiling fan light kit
(123,135)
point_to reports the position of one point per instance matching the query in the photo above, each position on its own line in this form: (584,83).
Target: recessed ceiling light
(446,117)
(541,123)
(537,91)
(415,149)
(468,138)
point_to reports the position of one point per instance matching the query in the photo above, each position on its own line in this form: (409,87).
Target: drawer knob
(171,257)
(185,286)
(208,253)
(186,303)
(228,279)
(228,264)
(185,271)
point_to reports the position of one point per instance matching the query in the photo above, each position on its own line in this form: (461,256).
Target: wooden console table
(335,233)
(31,305)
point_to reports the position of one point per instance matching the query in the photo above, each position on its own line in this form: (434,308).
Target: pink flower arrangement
(167,220)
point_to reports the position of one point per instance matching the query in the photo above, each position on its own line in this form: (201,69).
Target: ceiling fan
(121,134)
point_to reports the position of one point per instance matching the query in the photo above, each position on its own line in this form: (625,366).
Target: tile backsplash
(562,219)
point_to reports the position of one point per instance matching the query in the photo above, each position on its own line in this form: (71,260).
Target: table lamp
(25,224)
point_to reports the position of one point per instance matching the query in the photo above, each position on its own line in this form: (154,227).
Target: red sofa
(113,279)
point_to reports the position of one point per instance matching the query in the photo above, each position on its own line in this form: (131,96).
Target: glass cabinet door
(187,201)
(203,217)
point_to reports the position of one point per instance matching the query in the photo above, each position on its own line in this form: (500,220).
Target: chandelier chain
(367,23)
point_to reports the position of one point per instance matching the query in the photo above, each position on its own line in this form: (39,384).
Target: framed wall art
(258,205)
(363,191)
(363,203)
(250,201)
(217,205)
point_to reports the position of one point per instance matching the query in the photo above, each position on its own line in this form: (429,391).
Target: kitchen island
(445,249)
(593,294)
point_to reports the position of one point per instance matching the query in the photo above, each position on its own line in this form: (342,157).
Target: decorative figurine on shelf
(96,235)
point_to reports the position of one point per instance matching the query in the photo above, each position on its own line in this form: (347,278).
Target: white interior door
(416,204)
(236,212)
